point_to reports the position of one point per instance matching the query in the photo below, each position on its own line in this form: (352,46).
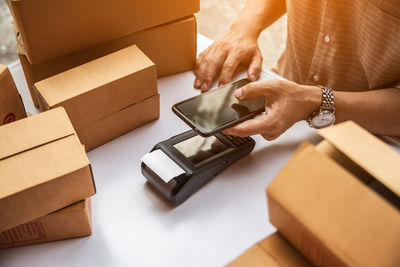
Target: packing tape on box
(162,165)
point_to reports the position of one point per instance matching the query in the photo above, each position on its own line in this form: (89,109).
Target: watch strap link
(328,99)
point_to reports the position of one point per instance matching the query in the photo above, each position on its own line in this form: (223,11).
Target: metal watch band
(327,103)
(328,99)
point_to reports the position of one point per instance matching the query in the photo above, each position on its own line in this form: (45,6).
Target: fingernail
(204,87)
(239,93)
(197,82)
(253,77)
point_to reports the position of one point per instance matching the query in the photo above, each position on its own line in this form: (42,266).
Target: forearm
(258,15)
(377,111)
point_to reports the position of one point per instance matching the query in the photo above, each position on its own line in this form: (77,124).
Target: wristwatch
(325,116)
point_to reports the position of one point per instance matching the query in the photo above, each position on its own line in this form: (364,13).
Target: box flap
(34,131)
(328,149)
(78,206)
(41,165)
(102,86)
(329,214)
(367,151)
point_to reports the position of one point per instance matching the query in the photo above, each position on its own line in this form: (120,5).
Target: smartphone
(218,109)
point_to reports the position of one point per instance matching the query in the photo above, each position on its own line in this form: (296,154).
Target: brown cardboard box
(333,217)
(273,251)
(172,47)
(11,107)
(43,167)
(107,97)
(50,29)
(70,222)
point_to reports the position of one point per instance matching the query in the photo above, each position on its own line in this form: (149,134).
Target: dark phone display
(197,149)
(219,107)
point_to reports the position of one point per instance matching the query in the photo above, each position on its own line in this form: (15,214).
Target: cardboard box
(333,217)
(70,222)
(11,106)
(43,167)
(50,29)
(172,47)
(273,251)
(107,97)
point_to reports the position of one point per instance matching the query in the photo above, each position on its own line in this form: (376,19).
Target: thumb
(250,91)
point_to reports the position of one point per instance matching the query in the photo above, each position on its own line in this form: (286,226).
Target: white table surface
(134,226)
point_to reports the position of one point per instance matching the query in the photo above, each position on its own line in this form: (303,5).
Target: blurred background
(213,20)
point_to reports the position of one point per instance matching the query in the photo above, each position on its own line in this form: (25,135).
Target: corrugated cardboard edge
(28,78)
(17,19)
(20,44)
(41,102)
(367,151)
(77,213)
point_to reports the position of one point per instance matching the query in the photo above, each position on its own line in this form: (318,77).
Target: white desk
(134,226)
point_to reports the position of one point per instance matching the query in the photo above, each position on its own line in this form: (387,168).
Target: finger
(198,63)
(251,91)
(197,83)
(255,66)
(228,68)
(253,126)
(210,68)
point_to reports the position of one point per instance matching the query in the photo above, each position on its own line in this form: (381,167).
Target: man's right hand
(224,56)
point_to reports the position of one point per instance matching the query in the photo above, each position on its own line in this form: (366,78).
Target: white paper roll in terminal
(162,165)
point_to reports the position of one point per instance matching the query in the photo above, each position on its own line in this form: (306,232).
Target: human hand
(286,103)
(224,56)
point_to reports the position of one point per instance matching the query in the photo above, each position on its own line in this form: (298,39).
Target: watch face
(324,119)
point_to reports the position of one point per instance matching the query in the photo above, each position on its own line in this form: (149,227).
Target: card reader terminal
(179,166)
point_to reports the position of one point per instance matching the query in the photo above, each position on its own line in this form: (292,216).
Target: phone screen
(219,107)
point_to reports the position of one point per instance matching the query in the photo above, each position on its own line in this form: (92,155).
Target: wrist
(244,31)
(325,115)
(310,99)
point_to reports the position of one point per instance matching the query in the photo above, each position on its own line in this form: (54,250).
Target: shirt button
(327,38)
(316,77)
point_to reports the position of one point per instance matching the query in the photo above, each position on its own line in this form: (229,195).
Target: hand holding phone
(218,109)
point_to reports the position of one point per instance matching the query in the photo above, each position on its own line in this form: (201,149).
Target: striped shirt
(348,45)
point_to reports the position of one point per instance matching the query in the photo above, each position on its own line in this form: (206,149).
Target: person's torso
(346,45)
